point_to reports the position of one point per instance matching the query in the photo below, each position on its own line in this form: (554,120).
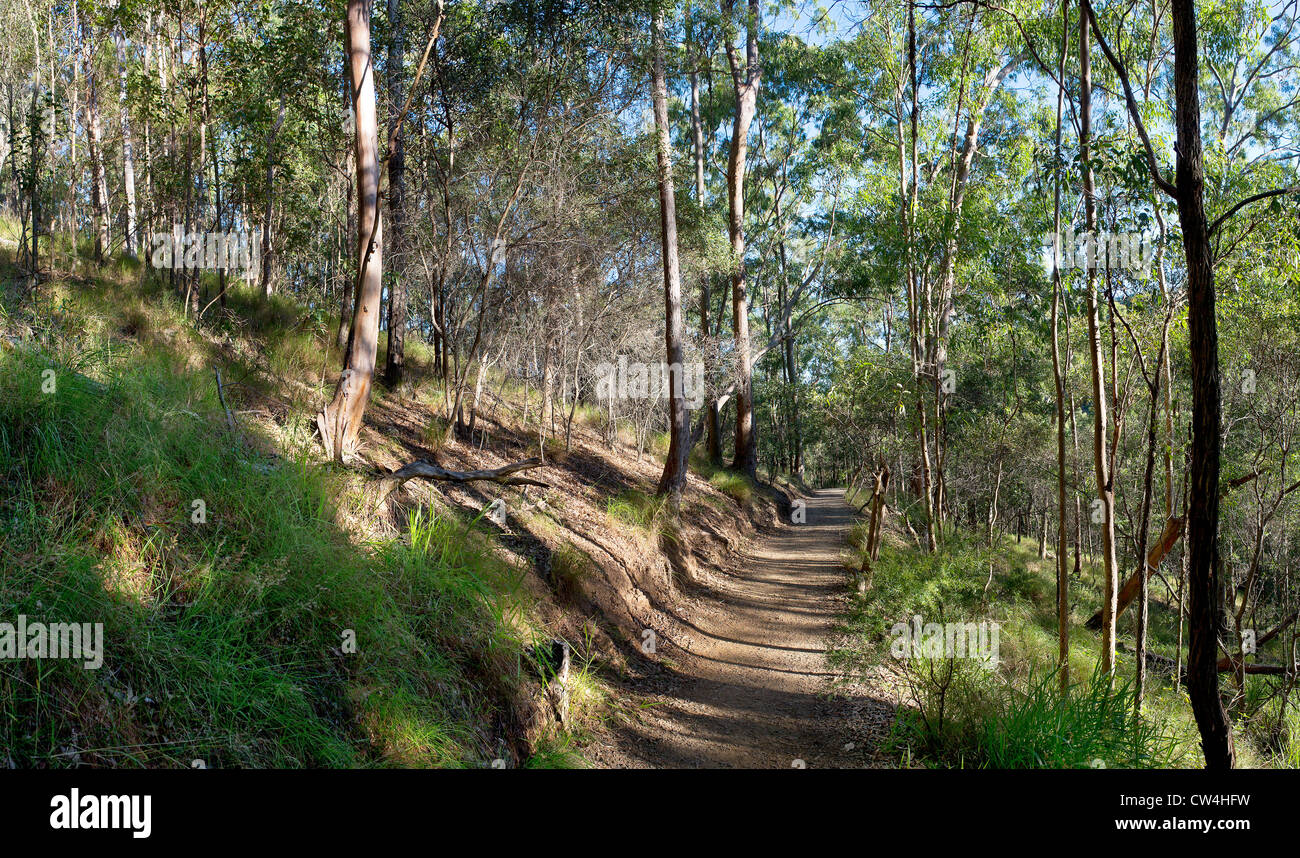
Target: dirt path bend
(749,686)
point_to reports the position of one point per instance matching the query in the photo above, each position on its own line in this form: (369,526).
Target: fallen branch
(1166,665)
(420,469)
(221,395)
(1173,530)
(1280,627)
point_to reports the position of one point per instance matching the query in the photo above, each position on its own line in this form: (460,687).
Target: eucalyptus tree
(340,421)
(746,76)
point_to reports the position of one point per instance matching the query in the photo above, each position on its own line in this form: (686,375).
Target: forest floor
(747,685)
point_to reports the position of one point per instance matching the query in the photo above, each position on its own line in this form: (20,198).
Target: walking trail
(748,685)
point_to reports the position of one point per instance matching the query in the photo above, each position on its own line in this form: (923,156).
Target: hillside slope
(262,608)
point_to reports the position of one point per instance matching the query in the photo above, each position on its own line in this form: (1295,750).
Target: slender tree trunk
(746,81)
(948,282)
(1205,608)
(679,426)
(1105,489)
(268,211)
(395,361)
(787,346)
(1144,518)
(36,156)
(131,243)
(74,112)
(347,302)
(713,439)
(148,203)
(1062,571)
(98,178)
(340,421)
(918,311)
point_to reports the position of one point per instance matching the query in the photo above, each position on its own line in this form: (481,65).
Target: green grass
(1091,727)
(226,640)
(636,508)
(738,487)
(558,752)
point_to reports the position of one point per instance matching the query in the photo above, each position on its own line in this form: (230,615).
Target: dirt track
(749,687)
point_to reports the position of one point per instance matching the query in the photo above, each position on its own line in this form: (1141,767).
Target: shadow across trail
(750,687)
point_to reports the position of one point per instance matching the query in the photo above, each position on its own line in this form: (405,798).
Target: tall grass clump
(637,508)
(1092,726)
(734,485)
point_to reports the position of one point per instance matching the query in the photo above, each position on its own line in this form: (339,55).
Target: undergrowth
(243,624)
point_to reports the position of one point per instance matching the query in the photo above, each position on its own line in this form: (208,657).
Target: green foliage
(637,508)
(1092,726)
(960,712)
(734,485)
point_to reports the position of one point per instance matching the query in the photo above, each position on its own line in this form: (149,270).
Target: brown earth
(746,684)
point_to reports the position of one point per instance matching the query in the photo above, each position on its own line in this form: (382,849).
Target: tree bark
(746,80)
(1105,487)
(1205,607)
(131,244)
(98,178)
(268,239)
(340,421)
(395,360)
(1062,571)
(714,440)
(679,425)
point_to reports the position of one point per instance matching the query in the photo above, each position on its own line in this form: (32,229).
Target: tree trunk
(347,303)
(713,441)
(131,243)
(1105,488)
(948,280)
(1133,586)
(1062,571)
(746,81)
(1143,520)
(1205,608)
(340,421)
(268,243)
(98,179)
(915,312)
(395,361)
(679,425)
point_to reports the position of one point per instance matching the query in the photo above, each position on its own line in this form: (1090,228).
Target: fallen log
(1164,546)
(421,469)
(1225,663)
(1278,629)
(1166,665)
(1131,588)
